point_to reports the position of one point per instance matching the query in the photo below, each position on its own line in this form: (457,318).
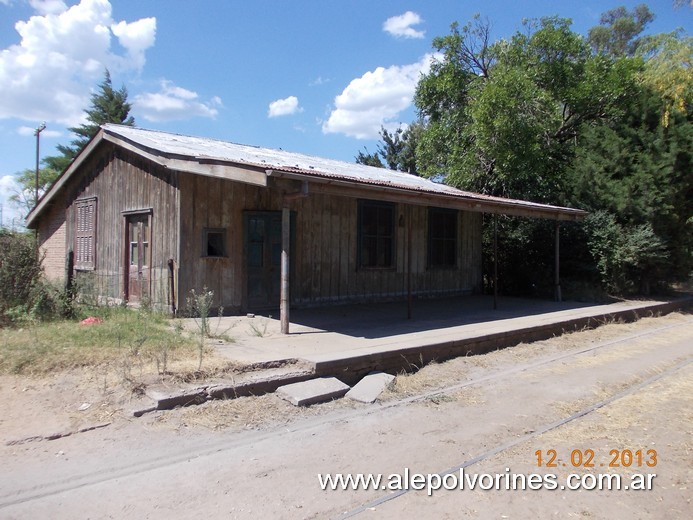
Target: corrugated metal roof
(199,151)
(206,149)
(216,150)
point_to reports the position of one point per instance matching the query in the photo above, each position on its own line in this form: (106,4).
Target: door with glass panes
(263,249)
(138,259)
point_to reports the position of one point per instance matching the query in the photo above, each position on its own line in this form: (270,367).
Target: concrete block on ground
(263,382)
(313,391)
(139,412)
(370,387)
(169,400)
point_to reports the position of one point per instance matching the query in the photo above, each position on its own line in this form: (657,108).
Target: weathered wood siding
(214,203)
(324,260)
(326,264)
(122,182)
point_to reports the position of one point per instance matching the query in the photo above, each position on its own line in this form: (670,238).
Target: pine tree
(396,151)
(107,106)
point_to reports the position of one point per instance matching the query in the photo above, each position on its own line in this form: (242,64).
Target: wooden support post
(495,261)
(284,291)
(172,284)
(557,259)
(70,274)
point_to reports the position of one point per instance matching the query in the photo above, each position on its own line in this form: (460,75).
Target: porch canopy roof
(255,165)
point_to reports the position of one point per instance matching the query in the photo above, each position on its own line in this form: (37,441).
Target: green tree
(369,159)
(25,196)
(669,71)
(602,124)
(619,30)
(107,106)
(635,174)
(443,98)
(20,272)
(502,118)
(396,151)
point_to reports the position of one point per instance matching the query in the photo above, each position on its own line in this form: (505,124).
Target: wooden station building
(148,214)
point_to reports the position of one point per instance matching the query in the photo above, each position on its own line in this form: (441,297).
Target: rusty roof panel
(202,149)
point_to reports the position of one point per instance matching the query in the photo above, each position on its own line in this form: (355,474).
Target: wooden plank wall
(122,181)
(326,255)
(214,203)
(324,264)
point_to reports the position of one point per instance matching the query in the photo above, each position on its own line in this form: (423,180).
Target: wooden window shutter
(85,234)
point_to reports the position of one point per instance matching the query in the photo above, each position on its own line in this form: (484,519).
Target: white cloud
(284,107)
(48,6)
(174,103)
(375,99)
(62,54)
(8,183)
(136,37)
(319,81)
(401,26)
(11,213)
(27,131)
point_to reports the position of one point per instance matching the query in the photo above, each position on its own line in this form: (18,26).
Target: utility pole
(37,133)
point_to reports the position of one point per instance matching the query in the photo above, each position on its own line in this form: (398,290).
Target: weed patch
(125,338)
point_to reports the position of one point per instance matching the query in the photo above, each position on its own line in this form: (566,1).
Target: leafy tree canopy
(25,195)
(602,123)
(505,127)
(635,173)
(669,71)
(619,30)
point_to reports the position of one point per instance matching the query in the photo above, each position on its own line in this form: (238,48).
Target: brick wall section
(52,243)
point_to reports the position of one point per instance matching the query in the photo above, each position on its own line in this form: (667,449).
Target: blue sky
(311,76)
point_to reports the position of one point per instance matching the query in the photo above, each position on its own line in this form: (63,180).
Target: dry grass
(662,410)
(233,414)
(635,421)
(671,391)
(248,413)
(440,375)
(603,392)
(635,347)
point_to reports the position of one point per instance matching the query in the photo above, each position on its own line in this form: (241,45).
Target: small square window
(214,242)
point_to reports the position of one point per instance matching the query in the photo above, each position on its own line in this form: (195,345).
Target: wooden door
(138,252)
(263,250)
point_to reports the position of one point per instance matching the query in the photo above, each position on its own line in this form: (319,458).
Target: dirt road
(622,387)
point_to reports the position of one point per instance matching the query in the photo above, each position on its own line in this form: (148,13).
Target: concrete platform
(350,341)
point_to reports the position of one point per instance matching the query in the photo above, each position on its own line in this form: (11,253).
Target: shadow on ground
(378,320)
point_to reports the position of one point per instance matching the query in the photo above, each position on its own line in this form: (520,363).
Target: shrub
(24,294)
(20,272)
(629,258)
